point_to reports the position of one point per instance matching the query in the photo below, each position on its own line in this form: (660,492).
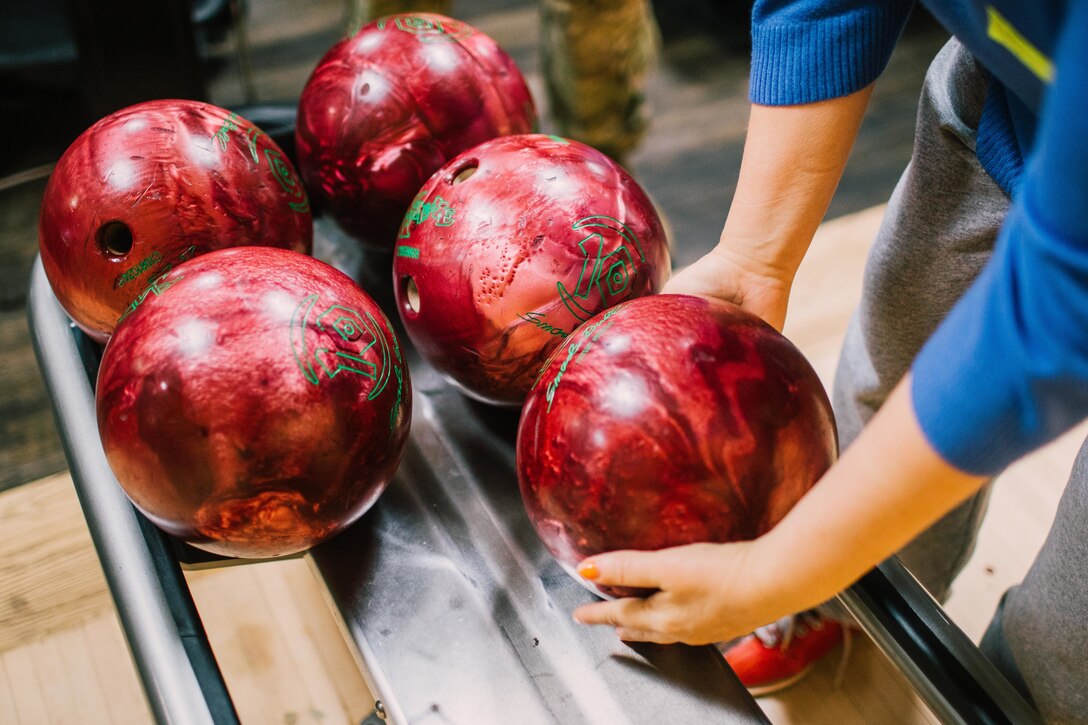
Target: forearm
(793,159)
(888,487)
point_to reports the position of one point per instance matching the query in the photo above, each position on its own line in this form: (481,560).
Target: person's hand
(707,593)
(761,290)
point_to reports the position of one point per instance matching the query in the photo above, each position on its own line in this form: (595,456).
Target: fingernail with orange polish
(588,570)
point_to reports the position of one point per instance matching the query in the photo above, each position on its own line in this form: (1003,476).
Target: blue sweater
(1007,370)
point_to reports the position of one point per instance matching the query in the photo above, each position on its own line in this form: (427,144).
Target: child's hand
(708,593)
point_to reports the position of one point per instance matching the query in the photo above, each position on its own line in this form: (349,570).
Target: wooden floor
(63,658)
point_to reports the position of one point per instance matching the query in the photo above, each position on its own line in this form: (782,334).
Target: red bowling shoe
(776,656)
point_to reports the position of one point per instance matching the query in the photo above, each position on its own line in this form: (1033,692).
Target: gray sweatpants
(938,233)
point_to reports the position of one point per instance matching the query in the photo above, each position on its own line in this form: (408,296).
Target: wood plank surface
(114,672)
(63,657)
(51,577)
(281,654)
(27,692)
(83,674)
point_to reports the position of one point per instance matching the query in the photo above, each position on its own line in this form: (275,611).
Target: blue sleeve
(811,50)
(1007,371)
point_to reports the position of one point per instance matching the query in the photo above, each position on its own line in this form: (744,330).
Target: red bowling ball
(388,106)
(512,245)
(152,185)
(669,420)
(255,403)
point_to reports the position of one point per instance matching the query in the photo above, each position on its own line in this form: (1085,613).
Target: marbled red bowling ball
(153,185)
(388,106)
(255,403)
(511,246)
(670,420)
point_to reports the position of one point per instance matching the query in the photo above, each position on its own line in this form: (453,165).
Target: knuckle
(672,621)
(622,567)
(613,616)
(629,612)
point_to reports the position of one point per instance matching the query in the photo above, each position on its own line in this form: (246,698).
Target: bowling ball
(255,403)
(513,244)
(152,185)
(669,420)
(386,107)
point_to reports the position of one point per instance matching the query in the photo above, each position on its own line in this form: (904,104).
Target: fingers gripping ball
(669,420)
(255,403)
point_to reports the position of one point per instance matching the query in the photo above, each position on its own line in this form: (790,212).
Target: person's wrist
(756,260)
(784,584)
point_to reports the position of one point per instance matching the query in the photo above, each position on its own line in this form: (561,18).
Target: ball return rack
(451,600)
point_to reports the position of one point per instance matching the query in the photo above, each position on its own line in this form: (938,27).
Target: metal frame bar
(947,670)
(181,678)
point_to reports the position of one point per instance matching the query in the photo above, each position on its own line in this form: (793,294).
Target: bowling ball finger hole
(464,172)
(410,294)
(115,238)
